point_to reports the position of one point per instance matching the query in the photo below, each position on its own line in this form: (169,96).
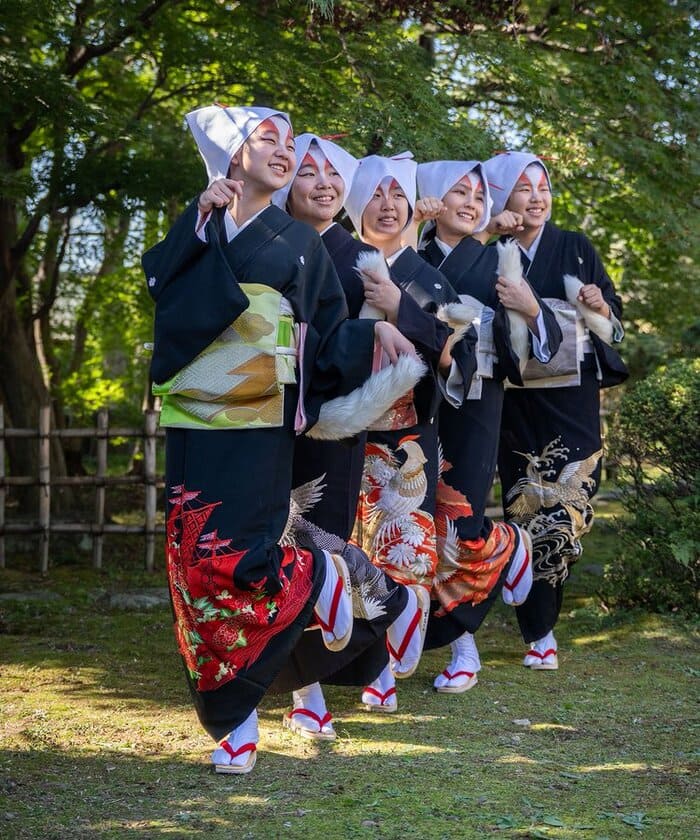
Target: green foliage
(91,133)
(655,442)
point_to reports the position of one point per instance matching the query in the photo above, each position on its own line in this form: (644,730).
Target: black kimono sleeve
(195,291)
(338,352)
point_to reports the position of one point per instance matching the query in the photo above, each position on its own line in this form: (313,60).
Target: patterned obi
(486,355)
(238,381)
(564,368)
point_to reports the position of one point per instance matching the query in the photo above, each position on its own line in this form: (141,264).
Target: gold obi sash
(238,381)
(564,368)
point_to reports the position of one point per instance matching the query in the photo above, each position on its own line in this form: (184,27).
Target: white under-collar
(326,229)
(232,229)
(392,259)
(444,247)
(532,250)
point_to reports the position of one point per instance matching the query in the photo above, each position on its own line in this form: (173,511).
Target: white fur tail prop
(509,265)
(374,261)
(510,268)
(349,415)
(460,316)
(595,322)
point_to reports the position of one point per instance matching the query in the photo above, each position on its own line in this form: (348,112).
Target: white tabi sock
(311,698)
(244,733)
(333,610)
(465,662)
(519,580)
(382,691)
(546,643)
(397,633)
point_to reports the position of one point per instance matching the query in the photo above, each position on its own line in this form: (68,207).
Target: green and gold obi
(238,381)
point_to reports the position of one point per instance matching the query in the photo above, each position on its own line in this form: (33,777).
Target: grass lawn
(99,738)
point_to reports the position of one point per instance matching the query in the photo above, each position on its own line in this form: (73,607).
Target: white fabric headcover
(371,171)
(343,162)
(219,133)
(502,173)
(438,177)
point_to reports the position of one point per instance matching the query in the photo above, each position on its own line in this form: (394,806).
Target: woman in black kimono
(478,557)
(395,523)
(327,476)
(251,339)
(550,451)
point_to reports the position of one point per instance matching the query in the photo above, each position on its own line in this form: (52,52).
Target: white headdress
(371,171)
(502,173)
(439,176)
(219,133)
(343,162)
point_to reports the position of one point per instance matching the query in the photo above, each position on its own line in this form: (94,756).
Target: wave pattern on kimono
(391,528)
(221,629)
(555,513)
(467,570)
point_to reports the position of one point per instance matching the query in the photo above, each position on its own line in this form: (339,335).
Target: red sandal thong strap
(539,655)
(397,654)
(235,753)
(450,676)
(523,568)
(321,721)
(383,697)
(337,594)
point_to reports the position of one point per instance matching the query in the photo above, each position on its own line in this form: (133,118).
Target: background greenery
(95,161)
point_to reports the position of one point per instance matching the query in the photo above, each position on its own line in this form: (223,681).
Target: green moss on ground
(99,738)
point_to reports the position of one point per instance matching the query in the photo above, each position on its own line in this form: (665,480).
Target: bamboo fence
(46,525)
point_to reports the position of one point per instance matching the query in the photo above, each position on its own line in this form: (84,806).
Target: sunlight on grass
(516,759)
(541,727)
(628,767)
(598,638)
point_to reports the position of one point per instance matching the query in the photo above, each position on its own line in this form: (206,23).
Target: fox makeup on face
(266,160)
(318,190)
(386,214)
(464,209)
(531,197)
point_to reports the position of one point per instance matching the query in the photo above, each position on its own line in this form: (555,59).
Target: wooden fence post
(149,469)
(100,489)
(44,486)
(2,487)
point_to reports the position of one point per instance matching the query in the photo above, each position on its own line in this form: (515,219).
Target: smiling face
(266,160)
(532,198)
(317,192)
(385,217)
(464,209)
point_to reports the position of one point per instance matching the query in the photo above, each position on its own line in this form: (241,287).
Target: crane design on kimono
(402,488)
(571,490)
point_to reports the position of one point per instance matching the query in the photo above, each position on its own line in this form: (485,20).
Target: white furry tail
(509,265)
(374,261)
(510,268)
(595,322)
(460,316)
(349,415)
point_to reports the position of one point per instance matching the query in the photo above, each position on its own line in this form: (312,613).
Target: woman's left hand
(518,297)
(382,292)
(591,295)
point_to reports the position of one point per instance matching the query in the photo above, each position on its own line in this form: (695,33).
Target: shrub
(654,440)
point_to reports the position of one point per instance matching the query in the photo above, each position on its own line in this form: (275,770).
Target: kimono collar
(439,176)
(219,133)
(502,173)
(343,163)
(371,171)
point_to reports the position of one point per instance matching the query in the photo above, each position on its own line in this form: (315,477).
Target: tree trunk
(23,391)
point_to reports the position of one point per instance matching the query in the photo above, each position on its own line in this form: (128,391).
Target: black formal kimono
(240,600)
(377,600)
(395,521)
(475,552)
(550,448)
